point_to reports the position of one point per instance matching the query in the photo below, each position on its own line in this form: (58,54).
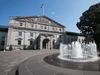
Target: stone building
(36,32)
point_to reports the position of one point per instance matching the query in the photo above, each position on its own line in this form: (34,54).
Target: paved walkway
(9,59)
(36,66)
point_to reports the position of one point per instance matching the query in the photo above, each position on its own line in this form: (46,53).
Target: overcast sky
(65,12)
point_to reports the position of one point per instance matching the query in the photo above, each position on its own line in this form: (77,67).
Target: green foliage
(24,47)
(90,20)
(10,47)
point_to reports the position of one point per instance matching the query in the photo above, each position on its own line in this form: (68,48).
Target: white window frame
(53,28)
(32,25)
(21,24)
(31,34)
(41,27)
(19,41)
(20,33)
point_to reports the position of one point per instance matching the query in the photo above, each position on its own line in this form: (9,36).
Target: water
(77,52)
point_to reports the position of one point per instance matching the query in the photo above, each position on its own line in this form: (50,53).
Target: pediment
(39,19)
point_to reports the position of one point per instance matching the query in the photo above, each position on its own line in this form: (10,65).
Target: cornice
(21,28)
(41,23)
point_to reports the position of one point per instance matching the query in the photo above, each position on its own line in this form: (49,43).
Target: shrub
(10,47)
(24,47)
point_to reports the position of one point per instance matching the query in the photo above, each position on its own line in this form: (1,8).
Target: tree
(89,23)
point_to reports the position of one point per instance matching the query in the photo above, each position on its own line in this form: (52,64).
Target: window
(52,28)
(31,34)
(45,27)
(79,40)
(59,29)
(53,42)
(19,42)
(21,24)
(2,43)
(85,41)
(32,26)
(53,36)
(20,33)
(60,36)
(31,43)
(71,39)
(41,27)
(82,40)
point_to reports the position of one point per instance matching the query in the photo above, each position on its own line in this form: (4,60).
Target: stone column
(51,42)
(40,43)
(49,45)
(46,45)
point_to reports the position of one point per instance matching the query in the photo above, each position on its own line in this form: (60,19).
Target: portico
(45,41)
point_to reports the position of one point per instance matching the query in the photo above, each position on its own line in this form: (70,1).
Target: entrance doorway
(45,44)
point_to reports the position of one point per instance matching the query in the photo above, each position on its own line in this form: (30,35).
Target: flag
(42,5)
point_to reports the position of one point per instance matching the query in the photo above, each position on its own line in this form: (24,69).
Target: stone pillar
(46,45)
(40,44)
(51,42)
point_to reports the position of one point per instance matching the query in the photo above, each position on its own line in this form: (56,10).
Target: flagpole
(43,9)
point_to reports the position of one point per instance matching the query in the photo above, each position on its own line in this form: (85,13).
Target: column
(46,45)
(51,44)
(40,44)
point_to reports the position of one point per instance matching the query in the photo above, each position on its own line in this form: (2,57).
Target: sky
(65,12)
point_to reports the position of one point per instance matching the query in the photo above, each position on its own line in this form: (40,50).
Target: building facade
(35,32)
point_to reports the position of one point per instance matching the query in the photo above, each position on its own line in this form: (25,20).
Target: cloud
(57,16)
(52,12)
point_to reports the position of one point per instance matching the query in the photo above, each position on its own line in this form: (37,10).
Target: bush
(10,47)
(24,47)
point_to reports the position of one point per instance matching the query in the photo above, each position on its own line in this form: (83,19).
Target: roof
(36,16)
(74,34)
(4,28)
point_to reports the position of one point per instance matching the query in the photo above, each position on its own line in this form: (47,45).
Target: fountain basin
(77,52)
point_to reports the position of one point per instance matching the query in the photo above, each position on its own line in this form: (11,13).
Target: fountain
(76,56)
(77,52)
